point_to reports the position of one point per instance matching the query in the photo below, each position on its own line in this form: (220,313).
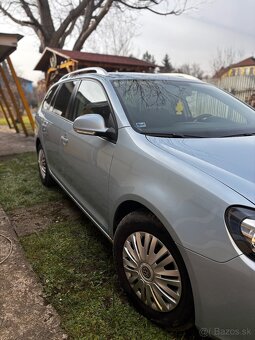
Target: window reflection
(91,98)
(188,108)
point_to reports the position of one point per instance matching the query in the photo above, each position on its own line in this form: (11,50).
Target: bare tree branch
(93,25)
(148,5)
(16,20)
(54,21)
(225,57)
(66,34)
(73,15)
(115,33)
(26,8)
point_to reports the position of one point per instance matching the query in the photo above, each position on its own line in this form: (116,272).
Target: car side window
(91,98)
(48,101)
(63,98)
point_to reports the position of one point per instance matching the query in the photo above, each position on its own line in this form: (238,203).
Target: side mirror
(90,124)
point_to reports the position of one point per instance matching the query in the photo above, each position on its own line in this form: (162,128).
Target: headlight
(241,225)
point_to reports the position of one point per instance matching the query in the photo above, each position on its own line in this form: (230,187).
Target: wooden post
(5,115)
(13,100)
(21,93)
(47,78)
(8,109)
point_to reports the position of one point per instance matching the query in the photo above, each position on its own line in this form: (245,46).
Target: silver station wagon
(164,165)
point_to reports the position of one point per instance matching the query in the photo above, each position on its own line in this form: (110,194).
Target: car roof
(163,76)
(97,72)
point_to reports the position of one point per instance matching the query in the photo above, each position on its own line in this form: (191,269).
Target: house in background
(27,85)
(238,79)
(29,90)
(55,63)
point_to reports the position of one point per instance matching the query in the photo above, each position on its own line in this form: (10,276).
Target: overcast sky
(191,37)
(196,35)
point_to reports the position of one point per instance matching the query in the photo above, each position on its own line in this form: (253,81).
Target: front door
(87,159)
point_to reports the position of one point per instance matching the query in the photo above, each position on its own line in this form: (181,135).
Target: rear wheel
(45,176)
(152,272)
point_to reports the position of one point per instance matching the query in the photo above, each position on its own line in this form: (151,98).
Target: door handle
(64,140)
(44,126)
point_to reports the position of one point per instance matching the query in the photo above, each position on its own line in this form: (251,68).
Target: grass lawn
(73,261)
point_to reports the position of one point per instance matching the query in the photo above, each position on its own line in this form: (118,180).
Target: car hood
(230,160)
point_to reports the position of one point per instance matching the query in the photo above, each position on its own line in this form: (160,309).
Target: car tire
(152,272)
(44,173)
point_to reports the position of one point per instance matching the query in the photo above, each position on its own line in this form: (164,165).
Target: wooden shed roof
(8,44)
(91,59)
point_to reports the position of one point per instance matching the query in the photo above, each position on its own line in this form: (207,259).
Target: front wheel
(152,272)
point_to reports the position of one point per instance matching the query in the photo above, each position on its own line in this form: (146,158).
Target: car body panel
(230,160)
(184,199)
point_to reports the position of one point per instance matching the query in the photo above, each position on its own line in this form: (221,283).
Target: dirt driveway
(13,143)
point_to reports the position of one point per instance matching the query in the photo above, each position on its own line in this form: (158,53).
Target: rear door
(55,120)
(87,159)
(47,127)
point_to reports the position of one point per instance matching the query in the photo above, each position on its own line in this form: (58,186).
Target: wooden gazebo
(56,62)
(8,81)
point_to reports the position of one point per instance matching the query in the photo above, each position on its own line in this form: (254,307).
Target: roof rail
(98,70)
(181,75)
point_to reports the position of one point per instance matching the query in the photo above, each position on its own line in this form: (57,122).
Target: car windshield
(183,109)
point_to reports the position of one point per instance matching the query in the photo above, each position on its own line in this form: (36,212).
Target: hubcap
(42,163)
(146,272)
(152,271)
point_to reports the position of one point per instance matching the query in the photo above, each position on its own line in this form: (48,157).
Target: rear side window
(47,104)
(91,98)
(63,98)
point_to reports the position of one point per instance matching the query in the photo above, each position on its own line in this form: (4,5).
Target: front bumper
(224,295)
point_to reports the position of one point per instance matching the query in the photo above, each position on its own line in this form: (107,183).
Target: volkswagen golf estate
(164,165)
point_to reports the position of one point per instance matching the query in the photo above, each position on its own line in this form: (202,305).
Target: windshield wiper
(240,134)
(170,135)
